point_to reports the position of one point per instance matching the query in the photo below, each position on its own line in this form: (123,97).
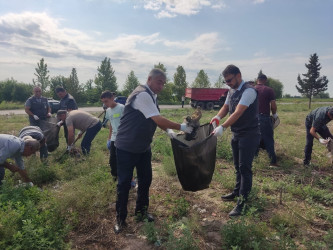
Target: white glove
(36,117)
(215,121)
(60,123)
(171,133)
(218,131)
(69,148)
(185,128)
(30,184)
(275,116)
(48,115)
(323,141)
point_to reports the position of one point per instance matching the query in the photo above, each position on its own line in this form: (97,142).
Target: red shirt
(265,96)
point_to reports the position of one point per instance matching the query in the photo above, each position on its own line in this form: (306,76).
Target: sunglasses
(229,80)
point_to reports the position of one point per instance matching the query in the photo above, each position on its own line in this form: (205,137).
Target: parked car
(121,99)
(54,105)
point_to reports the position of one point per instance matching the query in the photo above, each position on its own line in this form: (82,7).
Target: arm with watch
(218,131)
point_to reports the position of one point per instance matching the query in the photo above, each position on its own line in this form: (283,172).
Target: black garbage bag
(51,133)
(195,159)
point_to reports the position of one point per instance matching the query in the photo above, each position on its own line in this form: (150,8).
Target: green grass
(290,207)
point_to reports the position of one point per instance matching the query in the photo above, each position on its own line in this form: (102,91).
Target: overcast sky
(276,36)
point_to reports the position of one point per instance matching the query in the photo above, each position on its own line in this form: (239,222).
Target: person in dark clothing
(135,133)
(37,107)
(242,104)
(315,122)
(67,102)
(37,134)
(266,100)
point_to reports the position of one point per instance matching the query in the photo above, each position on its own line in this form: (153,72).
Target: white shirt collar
(154,95)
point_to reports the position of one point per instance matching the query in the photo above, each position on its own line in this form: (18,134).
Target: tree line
(10,90)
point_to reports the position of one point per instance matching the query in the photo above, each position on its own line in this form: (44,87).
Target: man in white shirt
(113,114)
(135,134)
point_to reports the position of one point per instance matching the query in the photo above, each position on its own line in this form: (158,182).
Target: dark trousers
(65,132)
(2,174)
(324,132)
(267,136)
(43,151)
(126,162)
(89,137)
(243,151)
(182,104)
(113,160)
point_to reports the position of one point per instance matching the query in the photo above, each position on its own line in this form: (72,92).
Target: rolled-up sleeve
(19,161)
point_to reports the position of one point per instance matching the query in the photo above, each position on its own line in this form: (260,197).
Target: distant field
(291,207)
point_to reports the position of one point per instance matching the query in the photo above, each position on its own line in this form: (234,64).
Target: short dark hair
(61,112)
(231,70)
(107,94)
(59,89)
(262,76)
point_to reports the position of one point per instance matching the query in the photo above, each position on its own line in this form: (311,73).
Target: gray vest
(39,108)
(248,122)
(135,132)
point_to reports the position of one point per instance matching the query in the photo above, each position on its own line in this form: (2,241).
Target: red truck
(206,98)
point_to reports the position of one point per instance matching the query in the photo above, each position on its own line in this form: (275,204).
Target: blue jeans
(243,151)
(2,174)
(324,132)
(126,161)
(89,137)
(267,136)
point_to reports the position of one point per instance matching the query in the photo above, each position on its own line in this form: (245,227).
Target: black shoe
(229,197)
(119,226)
(145,216)
(237,211)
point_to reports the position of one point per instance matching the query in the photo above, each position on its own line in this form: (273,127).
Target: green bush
(29,219)
(239,234)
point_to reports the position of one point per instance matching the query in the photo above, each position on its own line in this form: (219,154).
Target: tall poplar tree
(42,75)
(131,83)
(312,84)
(106,79)
(179,79)
(201,81)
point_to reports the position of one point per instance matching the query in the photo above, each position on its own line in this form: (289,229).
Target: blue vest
(248,122)
(39,108)
(135,132)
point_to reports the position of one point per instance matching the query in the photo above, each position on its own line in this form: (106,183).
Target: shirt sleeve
(28,103)
(19,162)
(145,104)
(248,97)
(227,100)
(71,104)
(69,122)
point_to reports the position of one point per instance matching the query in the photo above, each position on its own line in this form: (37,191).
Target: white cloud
(172,8)
(258,1)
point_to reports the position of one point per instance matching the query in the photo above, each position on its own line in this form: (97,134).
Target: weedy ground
(73,202)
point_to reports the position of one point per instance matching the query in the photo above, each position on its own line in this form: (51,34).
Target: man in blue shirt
(315,122)
(14,147)
(242,104)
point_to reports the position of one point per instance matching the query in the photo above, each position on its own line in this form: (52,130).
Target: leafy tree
(276,85)
(312,84)
(55,82)
(13,91)
(166,96)
(323,95)
(220,82)
(131,83)
(91,93)
(72,86)
(201,81)
(179,79)
(42,75)
(106,79)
